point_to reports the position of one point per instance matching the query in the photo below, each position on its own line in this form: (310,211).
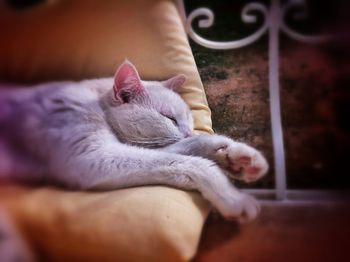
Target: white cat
(120,132)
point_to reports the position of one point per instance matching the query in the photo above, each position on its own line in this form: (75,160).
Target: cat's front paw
(244,209)
(241,161)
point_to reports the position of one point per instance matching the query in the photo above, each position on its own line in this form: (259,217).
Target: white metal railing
(273,24)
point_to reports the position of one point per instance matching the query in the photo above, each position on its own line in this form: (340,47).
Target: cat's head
(147,113)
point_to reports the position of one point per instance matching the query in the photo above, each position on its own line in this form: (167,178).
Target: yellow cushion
(77,39)
(138,224)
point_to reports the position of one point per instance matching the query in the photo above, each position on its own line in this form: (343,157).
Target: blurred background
(315,104)
(314,81)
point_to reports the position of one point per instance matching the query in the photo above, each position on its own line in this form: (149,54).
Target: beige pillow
(136,224)
(77,39)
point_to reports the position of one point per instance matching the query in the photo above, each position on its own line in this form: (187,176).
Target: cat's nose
(188,133)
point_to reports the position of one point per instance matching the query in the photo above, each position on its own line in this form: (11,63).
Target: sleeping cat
(119,132)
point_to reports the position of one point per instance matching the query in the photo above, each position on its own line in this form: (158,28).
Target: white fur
(76,134)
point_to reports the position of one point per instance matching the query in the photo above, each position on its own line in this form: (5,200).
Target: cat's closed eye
(173,119)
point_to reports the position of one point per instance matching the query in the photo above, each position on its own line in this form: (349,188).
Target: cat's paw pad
(243,210)
(242,161)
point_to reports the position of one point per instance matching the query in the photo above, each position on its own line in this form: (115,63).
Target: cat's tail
(5,112)
(6,162)
(10,99)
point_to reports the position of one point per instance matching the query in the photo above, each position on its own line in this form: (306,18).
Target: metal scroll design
(208,21)
(249,13)
(273,24)
(298,16)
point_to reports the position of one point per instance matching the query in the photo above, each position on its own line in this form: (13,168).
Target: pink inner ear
(175,82)
(127,80)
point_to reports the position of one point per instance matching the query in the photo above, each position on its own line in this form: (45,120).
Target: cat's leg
(240,160)
(109,167)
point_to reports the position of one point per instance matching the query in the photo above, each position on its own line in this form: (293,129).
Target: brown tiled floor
(284,232)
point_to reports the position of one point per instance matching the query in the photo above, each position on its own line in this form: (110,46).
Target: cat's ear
(175,82)
(127,83)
